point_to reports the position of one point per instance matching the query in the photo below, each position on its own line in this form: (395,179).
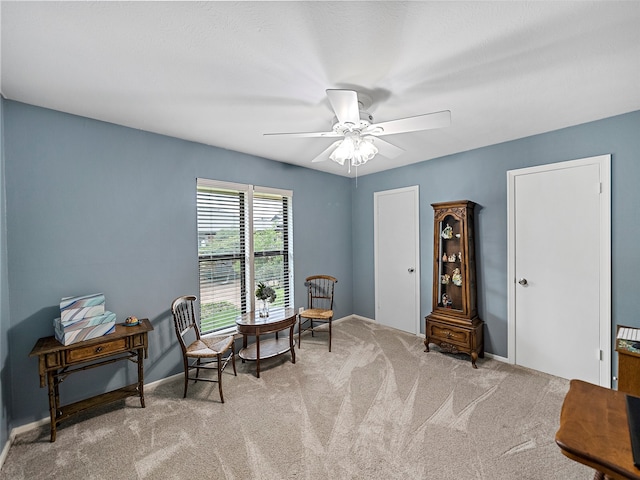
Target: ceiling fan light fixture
(355,149)
(366,149)
(344,151)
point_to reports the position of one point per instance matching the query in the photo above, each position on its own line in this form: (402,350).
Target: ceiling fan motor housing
(366,119)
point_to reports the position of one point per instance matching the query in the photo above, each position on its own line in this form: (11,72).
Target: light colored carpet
(377,407)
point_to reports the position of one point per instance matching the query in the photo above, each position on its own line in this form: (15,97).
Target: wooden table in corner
(251,324)
(594,431)
(57,361)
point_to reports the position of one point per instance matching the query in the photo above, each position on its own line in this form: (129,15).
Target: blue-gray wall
(96,207)
(480,175)
(5,378)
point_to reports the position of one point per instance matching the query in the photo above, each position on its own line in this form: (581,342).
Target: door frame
(376,195)
(604,162)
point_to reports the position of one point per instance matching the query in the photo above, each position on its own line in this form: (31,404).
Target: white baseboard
(27,427)
(17,431)
(358,317)
(162,381)
(5,452)
(496,357)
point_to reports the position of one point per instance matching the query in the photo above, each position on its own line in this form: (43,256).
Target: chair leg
(233,359)
(186,376)
(330,334)
(301,328)
(220,377)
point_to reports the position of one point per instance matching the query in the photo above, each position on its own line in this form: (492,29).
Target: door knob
(523,282)
(411,270)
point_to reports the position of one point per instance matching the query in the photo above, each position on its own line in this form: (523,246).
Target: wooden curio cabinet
(453,323)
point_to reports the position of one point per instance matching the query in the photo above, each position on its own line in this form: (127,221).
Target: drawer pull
(98,349)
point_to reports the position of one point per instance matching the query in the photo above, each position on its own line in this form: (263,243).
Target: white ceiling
(224,73)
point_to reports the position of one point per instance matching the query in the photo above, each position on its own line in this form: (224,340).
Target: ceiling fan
(361,142)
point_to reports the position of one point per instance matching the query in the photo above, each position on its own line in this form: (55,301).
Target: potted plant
(266,295)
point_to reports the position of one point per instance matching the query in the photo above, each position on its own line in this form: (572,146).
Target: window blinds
(244,237)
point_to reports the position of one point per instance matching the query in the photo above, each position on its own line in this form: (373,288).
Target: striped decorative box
(85,322)
(82,318)
(69,336)
(93,300)
(72,315)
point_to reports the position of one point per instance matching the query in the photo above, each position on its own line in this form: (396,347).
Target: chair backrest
(184,318)
(320,291)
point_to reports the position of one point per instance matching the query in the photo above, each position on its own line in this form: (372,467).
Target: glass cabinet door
(450,292)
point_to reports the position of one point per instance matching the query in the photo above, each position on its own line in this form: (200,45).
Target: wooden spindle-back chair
(200,352)
(320,290)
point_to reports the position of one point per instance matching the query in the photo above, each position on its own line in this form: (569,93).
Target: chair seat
(319,313)
(209,347)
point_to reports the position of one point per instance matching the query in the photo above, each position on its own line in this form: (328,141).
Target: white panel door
(396,245)
(557,247)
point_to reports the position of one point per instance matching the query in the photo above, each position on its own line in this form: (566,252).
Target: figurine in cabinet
(454,324)
(447,232)
(446,301)
(456,277)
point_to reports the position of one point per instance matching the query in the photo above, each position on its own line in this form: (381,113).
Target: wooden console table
(251,324)
(56,362)
(594,431)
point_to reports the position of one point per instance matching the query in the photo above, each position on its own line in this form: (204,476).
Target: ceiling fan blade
(345,105)
(324,155)
(411,124)
(304,134)
(385,148)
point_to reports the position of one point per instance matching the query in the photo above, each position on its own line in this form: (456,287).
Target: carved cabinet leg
(474,357)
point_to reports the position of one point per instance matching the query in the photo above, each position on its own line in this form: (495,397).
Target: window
(244,237)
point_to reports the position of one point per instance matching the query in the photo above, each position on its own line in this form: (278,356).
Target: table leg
(140,377)
(56,394)
(244,344)
(258,355)
(53,404)
(291,346)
